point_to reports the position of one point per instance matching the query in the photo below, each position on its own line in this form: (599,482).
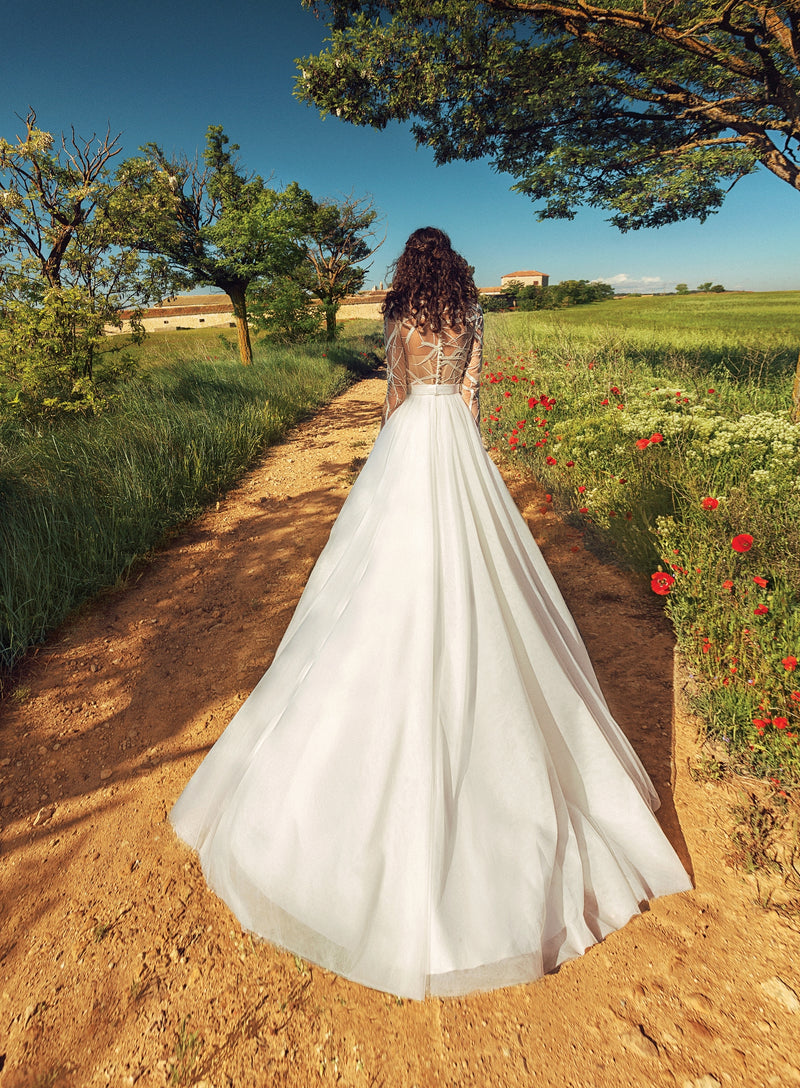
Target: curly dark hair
(432,284)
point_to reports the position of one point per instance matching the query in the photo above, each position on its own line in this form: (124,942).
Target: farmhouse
(531,278)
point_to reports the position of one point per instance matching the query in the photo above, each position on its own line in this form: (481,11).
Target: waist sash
(420,390)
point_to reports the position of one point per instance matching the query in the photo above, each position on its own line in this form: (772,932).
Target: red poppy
(615,390)
(761,724)
(548,498)
(642,443)
(709,503)
(789,663)
(604,401)
(795,696)
(543,509)
(581,489)
(727,584)
(760,582)
(551,460)
(712,391)
(761,610)
(656,437)
(661,583)
(570,464)
(742,542)
(780,723)
(584,510)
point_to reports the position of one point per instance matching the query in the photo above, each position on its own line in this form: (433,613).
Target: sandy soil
(119,967)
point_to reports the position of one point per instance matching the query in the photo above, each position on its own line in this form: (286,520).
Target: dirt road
(118,966)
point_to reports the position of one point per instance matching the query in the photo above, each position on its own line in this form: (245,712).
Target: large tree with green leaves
(339,239)
(216,225)
(652,109)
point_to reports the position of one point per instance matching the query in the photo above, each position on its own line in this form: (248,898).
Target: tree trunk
(795,413)
(331,310)
(236,293)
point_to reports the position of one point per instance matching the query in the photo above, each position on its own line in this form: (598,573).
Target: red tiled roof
(533,272)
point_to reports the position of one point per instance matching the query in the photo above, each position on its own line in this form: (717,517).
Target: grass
(661,427)
(83,498)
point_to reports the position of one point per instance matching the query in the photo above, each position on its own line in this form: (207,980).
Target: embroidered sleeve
(396,369)
(471,385)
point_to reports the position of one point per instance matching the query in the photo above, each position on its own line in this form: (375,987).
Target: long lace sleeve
(471,385)
(396,369)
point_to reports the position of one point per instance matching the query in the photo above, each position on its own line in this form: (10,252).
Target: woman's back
(416,355)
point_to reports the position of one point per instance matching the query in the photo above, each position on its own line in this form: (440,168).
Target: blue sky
(165,71)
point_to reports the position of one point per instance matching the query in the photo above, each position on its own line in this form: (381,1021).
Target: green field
(665,434)
(750,335)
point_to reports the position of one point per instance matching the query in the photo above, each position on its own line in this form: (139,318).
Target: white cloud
(625,282)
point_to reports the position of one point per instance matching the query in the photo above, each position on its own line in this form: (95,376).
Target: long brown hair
(432,284)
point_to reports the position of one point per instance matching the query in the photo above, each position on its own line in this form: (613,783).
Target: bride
(426,791)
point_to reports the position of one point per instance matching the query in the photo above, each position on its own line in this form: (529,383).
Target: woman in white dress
(426,792)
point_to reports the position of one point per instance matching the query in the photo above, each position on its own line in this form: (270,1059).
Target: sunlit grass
(83,498)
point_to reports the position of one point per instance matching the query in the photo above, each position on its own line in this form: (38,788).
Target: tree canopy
(652,110)
(215,224)
(338,240)
(67,269)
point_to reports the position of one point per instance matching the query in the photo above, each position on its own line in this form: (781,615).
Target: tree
(704,287)
(47,197)
(283,308)
(563,294)
(338,241)
(66,270)
(682,288)
(652,110)
(215,224)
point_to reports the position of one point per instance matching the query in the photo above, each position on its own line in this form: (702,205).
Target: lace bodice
(418,356)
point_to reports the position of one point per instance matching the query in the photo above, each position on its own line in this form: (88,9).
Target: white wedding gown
(426,792)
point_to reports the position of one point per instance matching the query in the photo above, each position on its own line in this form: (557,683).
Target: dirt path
(119,967)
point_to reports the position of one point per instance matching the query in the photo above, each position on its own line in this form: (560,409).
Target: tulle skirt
(426,792)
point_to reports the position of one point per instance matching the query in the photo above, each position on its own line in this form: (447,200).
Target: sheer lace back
(415,355)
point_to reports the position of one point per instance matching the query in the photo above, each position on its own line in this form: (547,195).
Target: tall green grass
(637,428)
(81,499)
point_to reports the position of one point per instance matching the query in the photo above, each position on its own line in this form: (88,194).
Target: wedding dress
(426,792)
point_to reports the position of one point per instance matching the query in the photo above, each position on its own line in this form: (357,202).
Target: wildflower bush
(693,475)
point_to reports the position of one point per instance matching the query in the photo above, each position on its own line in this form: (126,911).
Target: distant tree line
(519,296)
(702,288)
(81,245)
